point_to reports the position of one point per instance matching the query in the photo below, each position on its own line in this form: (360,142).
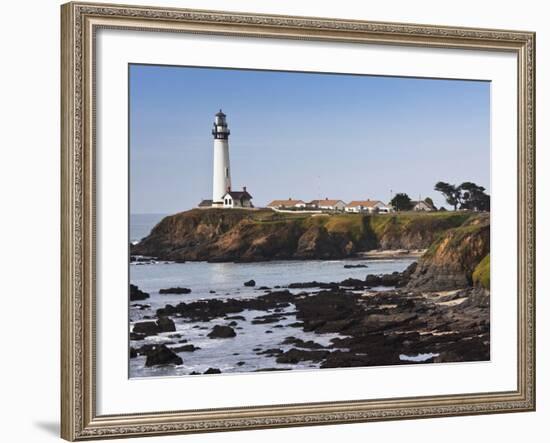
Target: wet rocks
(206,310)
(162,355)
(166,325)
(137,294)
(219,331)
(298,342)
(249,283)
(185,348)
(212,371)
(355,266)
(294,356)
(146,328)
(176,290)
(269,318)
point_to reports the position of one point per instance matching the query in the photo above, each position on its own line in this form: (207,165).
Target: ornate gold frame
(79,420)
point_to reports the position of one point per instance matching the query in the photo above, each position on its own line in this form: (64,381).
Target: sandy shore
(379,254)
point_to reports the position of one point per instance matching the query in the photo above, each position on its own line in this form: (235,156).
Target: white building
(369,206)
(423,205)
(237,199)
(222,169)
(287,204)
(327,205)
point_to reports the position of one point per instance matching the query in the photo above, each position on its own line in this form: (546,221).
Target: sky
(303,135)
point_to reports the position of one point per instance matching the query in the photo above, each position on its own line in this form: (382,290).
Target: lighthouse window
(226,172)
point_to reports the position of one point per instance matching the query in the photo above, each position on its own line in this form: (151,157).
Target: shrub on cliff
(482,273)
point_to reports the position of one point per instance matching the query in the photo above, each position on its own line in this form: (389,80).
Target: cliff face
(241,235)
(453,259)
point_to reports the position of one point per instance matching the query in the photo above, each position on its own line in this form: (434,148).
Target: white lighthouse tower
(222,169)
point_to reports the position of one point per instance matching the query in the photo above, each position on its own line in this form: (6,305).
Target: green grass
(482,273)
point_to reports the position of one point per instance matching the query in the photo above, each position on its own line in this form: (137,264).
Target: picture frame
(80,24)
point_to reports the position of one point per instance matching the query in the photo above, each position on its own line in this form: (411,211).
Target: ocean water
(141,225)
(238,354)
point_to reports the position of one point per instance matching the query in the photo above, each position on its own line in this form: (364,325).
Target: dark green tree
(474,197)
(401,202)
(452,193)
(466,196)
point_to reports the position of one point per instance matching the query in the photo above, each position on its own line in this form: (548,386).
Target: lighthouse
(222,169)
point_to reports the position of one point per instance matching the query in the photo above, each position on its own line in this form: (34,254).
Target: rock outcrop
(450,261)
(219,235)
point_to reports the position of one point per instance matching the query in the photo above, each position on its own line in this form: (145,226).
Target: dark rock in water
(250,283)
(162,355)
(146,328)
(269,332)
(137,294)
(212,371)
(294,356)
(194,373)
(272,369)
(185,348)
(232,323)
(235,317)
(310,344)
(271,352)
(206,310)
(297,324)
(176,290)
(240,363)
(355,266)
(166,325)
(222,332)
(212,292)
(137,336)
(353,282)
(264,288)
(312,284)
(133,353)
(269,318)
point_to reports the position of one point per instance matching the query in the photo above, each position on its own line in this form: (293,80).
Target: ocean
(226,280)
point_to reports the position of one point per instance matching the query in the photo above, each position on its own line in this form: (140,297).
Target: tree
(466,196)
(474,197)
(451,192)
(401,202)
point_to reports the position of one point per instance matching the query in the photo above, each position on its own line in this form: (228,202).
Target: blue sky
(303,135)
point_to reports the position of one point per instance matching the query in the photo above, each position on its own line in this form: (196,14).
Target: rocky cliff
(242,235)
(458,259)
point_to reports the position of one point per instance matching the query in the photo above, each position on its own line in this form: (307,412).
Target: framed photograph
(277,221)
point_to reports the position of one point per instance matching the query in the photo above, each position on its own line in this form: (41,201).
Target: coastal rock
(161,355)
(219,331)
(294,356)
(451,261)
(250,283)
(185,348)
(219,235)
(166,325)
(137,294)
(146,328)
(298,342)
(212,371)
(176,290)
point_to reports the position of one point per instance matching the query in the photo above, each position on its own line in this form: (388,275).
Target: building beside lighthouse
(223,196)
